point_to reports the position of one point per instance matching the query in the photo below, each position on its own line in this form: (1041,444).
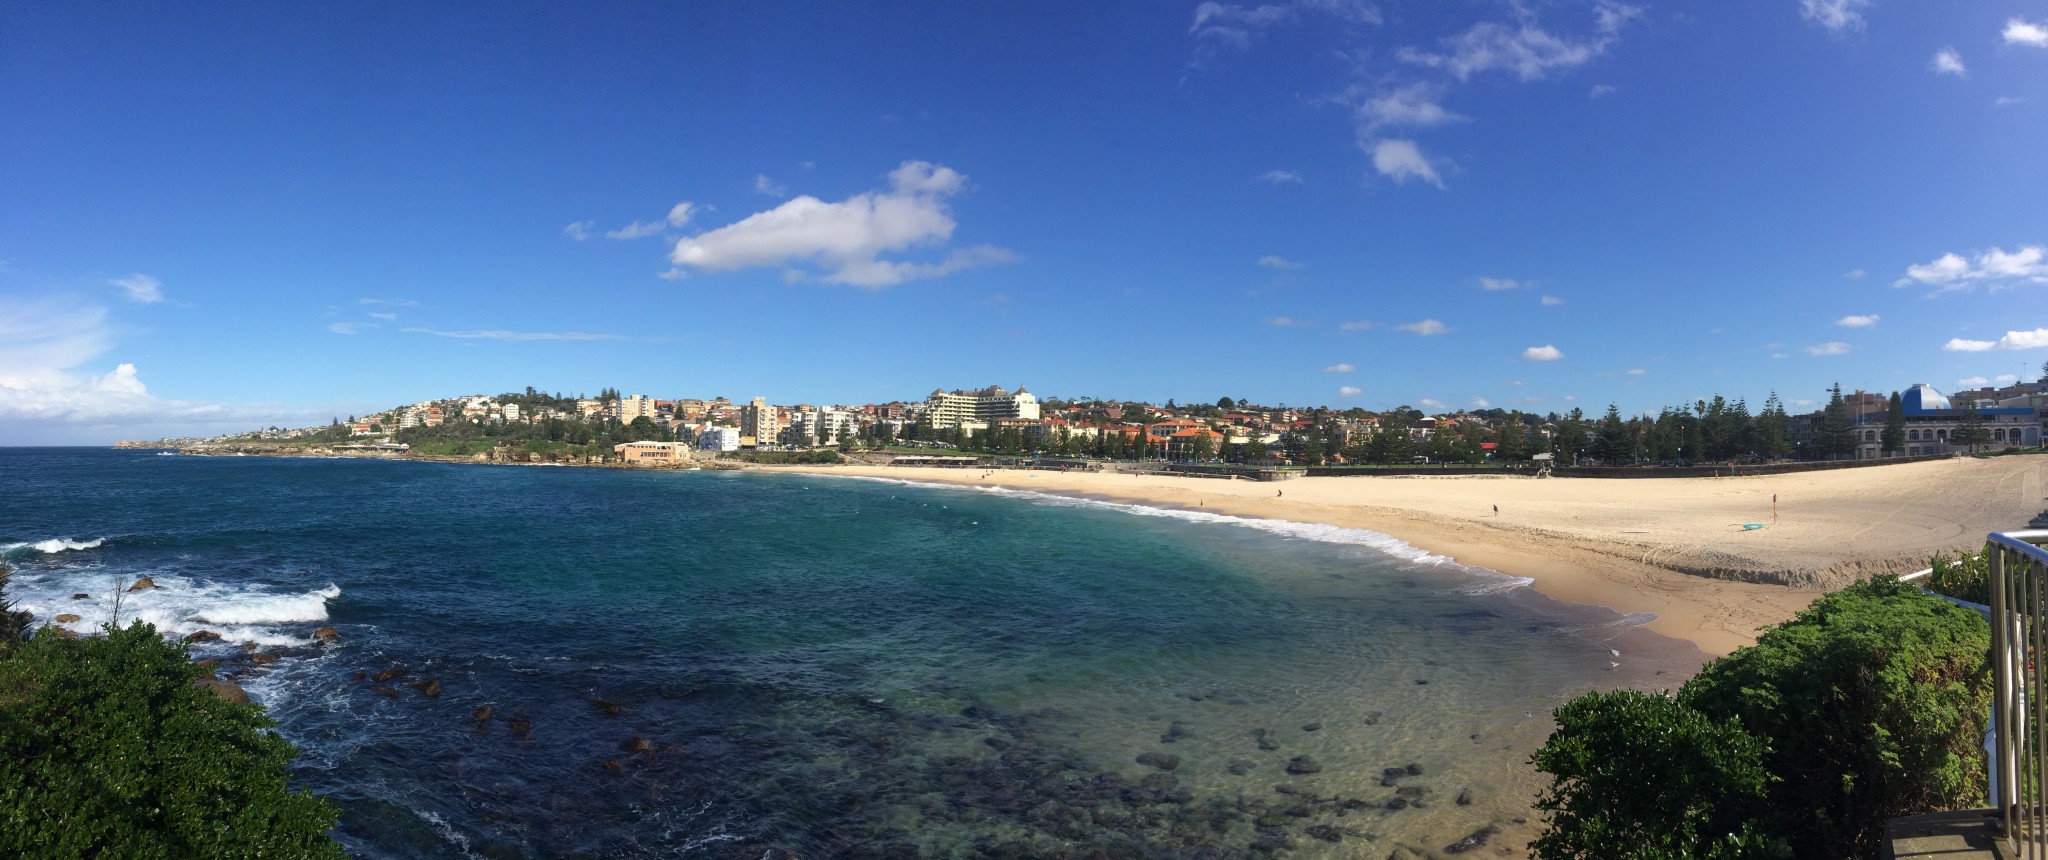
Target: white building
(636,406)
(760,421)
(718,439)
(943,410)
(836,424)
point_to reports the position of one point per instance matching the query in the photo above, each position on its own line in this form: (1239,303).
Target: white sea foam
(178,606)
(53,545)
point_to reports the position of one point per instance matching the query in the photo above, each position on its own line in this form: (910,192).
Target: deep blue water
(819,666)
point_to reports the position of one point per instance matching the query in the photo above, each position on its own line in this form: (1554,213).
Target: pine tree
(1893,439)
(1970,431)
(1837,433)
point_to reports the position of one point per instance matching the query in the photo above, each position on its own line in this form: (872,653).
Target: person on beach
(1496,510)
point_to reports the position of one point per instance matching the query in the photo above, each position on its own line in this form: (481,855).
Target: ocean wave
(53,545)
(177,606)
(1493,581)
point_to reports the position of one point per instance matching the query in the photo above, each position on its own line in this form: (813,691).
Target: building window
(1913,435)
(1870,435)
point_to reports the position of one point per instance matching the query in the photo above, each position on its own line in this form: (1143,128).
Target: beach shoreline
(1676,548)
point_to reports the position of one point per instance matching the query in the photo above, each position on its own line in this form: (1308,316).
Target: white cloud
(1285,322)
(1552,301)
(1348,391)
(1781,355)
(1952,272)
(1340,367)
(1497,284)
(1857,321)
(1402,160)
(579,230)
(2006,378)
(1478,403)
(1359,325)
(1947,62)
(1275,261)
(47,396)
(349,327)
(678,216)
(515,336)
(2007,101)
(1600,91)
(1972,382)
(1637,371)
(396,303)
(1411,106)
(2019,31)
(1424,327)
(141,288)
(1833,347)
(1838,16)
(1225,25)
(1523,48)
(1854,274)
(1542,353)
(764,185)
(1280,177)
(2012,340)
(382,316)
(846,238)
(1432,403)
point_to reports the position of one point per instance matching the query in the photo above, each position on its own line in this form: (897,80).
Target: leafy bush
(1703,796)
(1871,704)
(12,623)
(1966,576)
(107,749)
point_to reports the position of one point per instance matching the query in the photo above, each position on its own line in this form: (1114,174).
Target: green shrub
(1641,775)
(12,623)
(1965,576)
(1875,701)
(108,750)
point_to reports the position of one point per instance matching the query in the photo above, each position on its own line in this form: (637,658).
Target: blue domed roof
(1923,398)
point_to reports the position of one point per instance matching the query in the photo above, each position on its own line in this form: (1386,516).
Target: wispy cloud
(1425,327)
(579,230)
(1432,404)
(1972,382)
(2035,339)
(1280,177)
(515,336)
(349,327)
(2019,31)
(1478,403)
(381,315)
(1947,62)
(1636,371)
(140,288)
(1523,48)
(1349,391)
(1359,325)
(1340,367)
(1286,322)
(1552,301)
(846,239)
(1837,16)
(1275,261)
(1854,274)
(1401,160)
(1833,347)
(1542,353)
(679,215)
(1497,284)
(1857,321)
(1952,271)
(764,185)
(1600,91)
(396,303)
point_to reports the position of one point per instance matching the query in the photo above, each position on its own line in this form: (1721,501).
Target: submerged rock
(1326,832)
(429,688)
(1302,764)
(1175,732)
(637,744)
(1163,761)
(1241,766)
(81,596)
(142,583)
(1472,841)
(389,674)
(1372,718)
(481,715)
(202,636)
(609,709)
(387,692)
(1465,797)
(325,635)
(1312,727)
(519,725)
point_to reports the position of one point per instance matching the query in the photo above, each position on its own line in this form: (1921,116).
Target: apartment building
(945,410)
(761,422)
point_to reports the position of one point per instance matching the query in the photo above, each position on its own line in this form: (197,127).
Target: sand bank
(1675,547)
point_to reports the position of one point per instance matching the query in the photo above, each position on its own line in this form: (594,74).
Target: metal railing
(2018,568)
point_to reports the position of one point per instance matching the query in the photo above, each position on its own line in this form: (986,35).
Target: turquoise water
(824,666)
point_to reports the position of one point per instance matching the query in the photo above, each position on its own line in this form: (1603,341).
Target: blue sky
(216,216)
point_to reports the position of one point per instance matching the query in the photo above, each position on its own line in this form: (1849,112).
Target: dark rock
(1176,732)
(1421,681)
(519,725)
(263,658)
(1326,832)
(227,690)
(1270,820)
(1372,718)
(209,664)
(1312,727)
(1241,766)
(386,691)
(1412,791)
(636,744)
(358,676)
(81,596)
(388,674)
(247,647)
(1160,782)
(1414,769)
(1472,841)
(613,765)
(65,618)
(1299,810)
(481,715)
(1163,761)
(326,634)
(142,583)
(1465,797)
(203,636)
(429,688)
(1398,803)
(995,743)
(1302,764)
(609,709)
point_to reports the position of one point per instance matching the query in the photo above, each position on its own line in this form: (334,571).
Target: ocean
(740,664)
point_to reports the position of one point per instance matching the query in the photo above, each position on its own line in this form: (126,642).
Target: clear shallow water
(824,666)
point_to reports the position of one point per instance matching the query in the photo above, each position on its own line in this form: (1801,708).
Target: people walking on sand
(1496,510)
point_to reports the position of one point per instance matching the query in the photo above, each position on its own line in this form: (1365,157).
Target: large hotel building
(977,409)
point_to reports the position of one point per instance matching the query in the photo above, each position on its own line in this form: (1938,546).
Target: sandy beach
(1674,547)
